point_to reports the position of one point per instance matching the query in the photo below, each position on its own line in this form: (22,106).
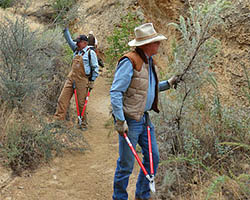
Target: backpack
(92,43)
(90,64)
(91,40)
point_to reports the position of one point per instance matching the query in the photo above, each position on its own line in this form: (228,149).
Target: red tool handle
(135,154)
(150,151)
(85,104)
(77,107)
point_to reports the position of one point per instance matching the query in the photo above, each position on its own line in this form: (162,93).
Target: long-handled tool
(77,107)
(152,183)
(151,176)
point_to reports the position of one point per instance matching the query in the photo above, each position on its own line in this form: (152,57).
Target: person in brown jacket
(83,73)
(133,93)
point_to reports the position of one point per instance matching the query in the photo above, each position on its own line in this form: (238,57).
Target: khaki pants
(77,74)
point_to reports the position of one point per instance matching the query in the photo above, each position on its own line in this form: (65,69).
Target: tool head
(152,186)
(79,120)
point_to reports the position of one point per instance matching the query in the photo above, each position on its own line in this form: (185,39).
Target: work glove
(91,85)
(121,127)
(173,81)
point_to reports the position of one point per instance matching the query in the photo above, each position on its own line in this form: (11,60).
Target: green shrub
(65,11)
(118,41)
(27,143)
(62,5)
(198,135)
(6,3)
(25,148)
(27,60)
(49,93)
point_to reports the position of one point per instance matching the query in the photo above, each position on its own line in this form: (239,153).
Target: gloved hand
(91,85)
(121,127)
(173,81)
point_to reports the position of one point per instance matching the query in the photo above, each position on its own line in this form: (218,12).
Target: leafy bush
(118,41)
(26,60)
(48,95)
(65,11)
(62,5)
(6,3)
(25,148)
(31,73)
(199,137)
(29,142)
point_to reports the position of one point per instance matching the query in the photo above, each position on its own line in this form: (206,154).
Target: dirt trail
(87,176)
(77,176)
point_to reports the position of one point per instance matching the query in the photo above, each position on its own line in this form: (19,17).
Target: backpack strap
(90,64)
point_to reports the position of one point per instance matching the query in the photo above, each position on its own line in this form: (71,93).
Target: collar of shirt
(85,49)
(82,51)
(150,59)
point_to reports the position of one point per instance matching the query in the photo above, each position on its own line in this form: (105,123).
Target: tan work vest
(134,100)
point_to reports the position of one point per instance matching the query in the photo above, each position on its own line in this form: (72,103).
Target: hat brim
(135,43)
(77,40)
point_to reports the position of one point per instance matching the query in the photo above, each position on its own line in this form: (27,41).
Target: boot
(82,127)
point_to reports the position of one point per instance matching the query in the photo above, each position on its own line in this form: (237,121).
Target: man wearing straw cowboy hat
(134,91)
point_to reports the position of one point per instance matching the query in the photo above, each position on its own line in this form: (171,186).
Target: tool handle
(135,154)
(150,151)
(149,144)
(85,104)
(77,107)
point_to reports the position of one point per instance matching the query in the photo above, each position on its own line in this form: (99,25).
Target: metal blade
(79,120)
(152,186)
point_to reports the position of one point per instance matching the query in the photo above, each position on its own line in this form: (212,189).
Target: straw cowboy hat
(145,34)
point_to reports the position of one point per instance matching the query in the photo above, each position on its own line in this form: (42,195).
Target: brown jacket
(135,97)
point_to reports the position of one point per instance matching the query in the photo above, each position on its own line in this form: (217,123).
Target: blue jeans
(137,133)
